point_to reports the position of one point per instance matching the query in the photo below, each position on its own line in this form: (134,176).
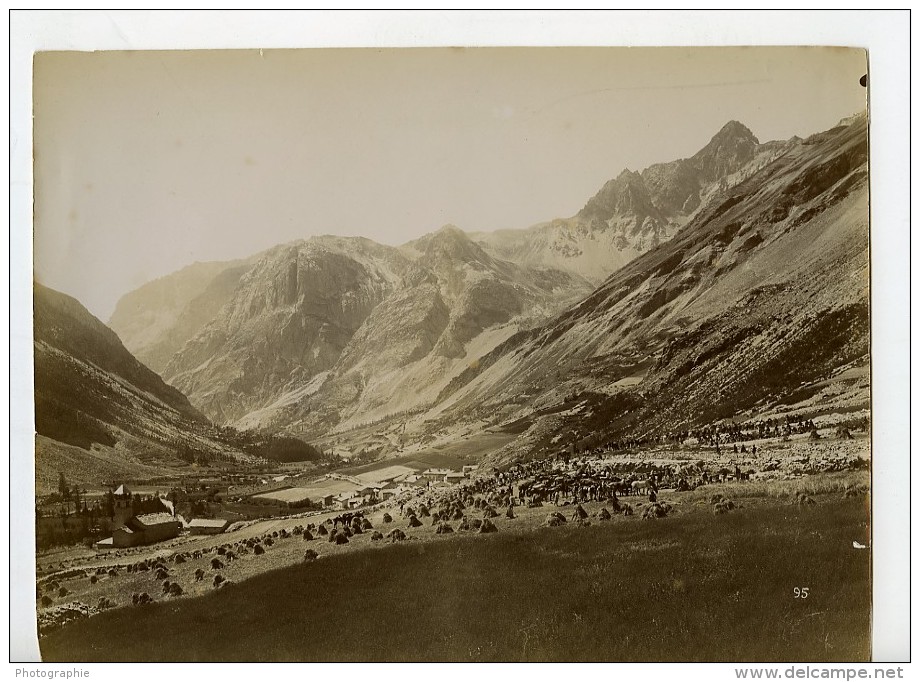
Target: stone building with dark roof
(144,530)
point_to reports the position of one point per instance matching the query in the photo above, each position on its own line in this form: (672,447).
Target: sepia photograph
(453,354)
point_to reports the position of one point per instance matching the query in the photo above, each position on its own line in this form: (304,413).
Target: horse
(642,487)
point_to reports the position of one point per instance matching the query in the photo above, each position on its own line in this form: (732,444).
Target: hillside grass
(836,482)
(693,587)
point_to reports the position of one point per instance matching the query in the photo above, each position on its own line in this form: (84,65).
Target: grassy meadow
(692,587)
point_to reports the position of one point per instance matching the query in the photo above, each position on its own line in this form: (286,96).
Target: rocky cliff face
(290,318)
(454,303)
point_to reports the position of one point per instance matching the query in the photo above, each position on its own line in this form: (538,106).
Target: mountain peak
(448,242)
(728,150)
(735,130)
(451,229)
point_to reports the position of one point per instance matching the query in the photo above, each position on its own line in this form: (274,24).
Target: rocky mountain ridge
(759,302)
(637,211)
(323,335)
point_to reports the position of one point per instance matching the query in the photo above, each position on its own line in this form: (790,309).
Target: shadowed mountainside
(99,412)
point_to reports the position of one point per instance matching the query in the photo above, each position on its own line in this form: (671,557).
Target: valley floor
(693,586)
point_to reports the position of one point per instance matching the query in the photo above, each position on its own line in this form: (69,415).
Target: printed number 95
(800,592)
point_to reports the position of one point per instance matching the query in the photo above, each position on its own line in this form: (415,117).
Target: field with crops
(695,585)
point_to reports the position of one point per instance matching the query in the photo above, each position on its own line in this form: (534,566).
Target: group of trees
(72,518)
(72,500)
(274,447)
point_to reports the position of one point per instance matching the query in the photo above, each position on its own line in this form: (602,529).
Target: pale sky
(148,161)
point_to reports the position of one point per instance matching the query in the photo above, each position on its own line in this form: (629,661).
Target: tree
(64,490)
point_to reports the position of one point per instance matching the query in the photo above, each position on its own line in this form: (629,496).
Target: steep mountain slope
(288,320)
(155,320)
(328,334)
(635,212)
(98,411)
(455,304)
(764,292)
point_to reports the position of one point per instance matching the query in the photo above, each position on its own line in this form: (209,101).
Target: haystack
(844,432)
(179,559)
(376,535)
(656,510)
(603,514)
(627,510)
(856,491)
(489,513)
(258,550)
(396,535)
(216,563)
(321,529)
(414,522)
(366,524)
(387,518)
(488,527)
(444,528)
(554,519)
(579,513)
(423,511)
(724,506)
(341,538)
(307,536)
(310,555)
